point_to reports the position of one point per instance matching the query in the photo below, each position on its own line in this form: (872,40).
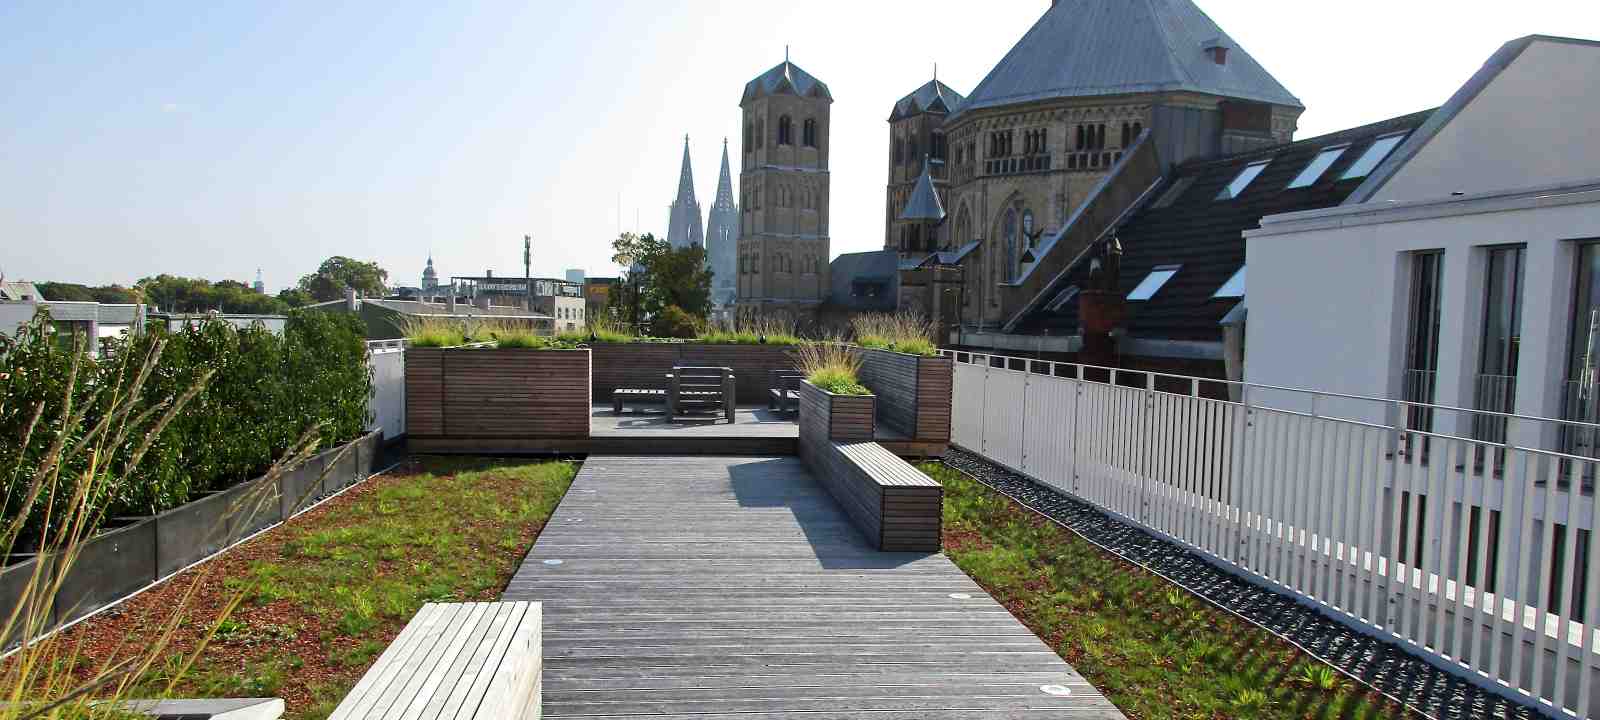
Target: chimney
(488,273)
(350,303)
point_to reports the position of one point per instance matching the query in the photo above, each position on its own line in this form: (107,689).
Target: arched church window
(1009,233)
(785,131)
(1137,129)
(761,133)
(1126,134)
(911,154)
(899,151)
(748,130)
(809,135)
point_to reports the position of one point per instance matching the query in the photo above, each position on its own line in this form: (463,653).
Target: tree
(338,273)
(113,294)
(295,297)
(661,276)
(196,295)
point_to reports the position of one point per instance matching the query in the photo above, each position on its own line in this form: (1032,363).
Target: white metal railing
(1482,568)
(387,406)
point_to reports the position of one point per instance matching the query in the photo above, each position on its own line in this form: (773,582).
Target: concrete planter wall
(826,416)
(644,365)
(123,559)
(456,398)
(913,392)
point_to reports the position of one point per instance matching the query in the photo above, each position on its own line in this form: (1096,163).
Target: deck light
(1057,690)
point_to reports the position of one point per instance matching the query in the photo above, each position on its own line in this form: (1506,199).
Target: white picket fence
(387,405)
(1471,554)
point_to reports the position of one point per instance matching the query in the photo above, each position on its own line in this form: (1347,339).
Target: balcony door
(1496,382)
(1422,338)
(1580,399)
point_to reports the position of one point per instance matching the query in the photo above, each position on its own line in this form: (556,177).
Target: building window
(1151,284)
(1375,154)
(936,146)
(1233,288)
(748,130)
(1421,367)
(1495,386)
(1242,180)
(785,131)
(1581,394)
(1318,166)
(761,133)
(899,151)
(808,135)
(1174,192)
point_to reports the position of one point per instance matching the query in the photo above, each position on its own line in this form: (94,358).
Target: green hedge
(265,391)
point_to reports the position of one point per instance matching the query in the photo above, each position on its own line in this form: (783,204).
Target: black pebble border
(1381,665)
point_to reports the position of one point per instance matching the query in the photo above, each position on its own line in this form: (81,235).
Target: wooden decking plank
(718,587)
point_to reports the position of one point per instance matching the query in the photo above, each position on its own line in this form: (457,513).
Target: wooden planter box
(913,392)
(644,365)
(496,399)
(826,416)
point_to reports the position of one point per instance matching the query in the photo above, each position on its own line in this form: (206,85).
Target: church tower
(722,239)
(430,277)
(783,238)
(683,228)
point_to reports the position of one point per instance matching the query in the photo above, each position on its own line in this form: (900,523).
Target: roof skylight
(1152,283)
(1318,166)
(1234,287)
(1173,192)
(1242,180)
(1375,154)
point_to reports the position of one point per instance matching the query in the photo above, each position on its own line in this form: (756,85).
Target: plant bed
(830,416)
(458,397)
(1149,646)
(324,593)
(913,392)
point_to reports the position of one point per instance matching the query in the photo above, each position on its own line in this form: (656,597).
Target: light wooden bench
(636,395)
(456,660)
(893,503)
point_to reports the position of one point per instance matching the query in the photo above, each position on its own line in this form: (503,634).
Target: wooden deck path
(720,588)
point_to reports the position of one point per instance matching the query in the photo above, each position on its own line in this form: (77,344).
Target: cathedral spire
(724,181)
(684,226)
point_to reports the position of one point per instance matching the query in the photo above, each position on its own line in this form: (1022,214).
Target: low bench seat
(892,502)
(456,660)
(636,395)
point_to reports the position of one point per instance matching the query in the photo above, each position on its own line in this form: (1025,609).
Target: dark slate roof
(879,269)
(1204,235)
(924,202)
(1082,48)
(785,78)
(933,96)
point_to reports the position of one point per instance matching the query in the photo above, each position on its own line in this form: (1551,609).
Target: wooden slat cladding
(425,391)
(498,393)
(645,365)
(913,392)
(892,503)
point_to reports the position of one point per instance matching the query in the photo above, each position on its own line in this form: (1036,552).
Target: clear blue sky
(209,139)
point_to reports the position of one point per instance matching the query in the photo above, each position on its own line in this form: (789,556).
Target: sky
(212,139)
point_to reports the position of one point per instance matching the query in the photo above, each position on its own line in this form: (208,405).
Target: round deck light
(1057,690)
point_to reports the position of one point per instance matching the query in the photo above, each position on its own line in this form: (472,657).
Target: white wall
(1328,294)
(1533,125)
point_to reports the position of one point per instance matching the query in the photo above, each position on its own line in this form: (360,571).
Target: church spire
(684,226)
(724,181)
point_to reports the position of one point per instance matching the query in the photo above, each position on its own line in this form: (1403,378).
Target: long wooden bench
(893,503)
(456,660)
(636,395)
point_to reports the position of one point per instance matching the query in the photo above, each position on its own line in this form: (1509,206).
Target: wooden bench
(456,660)
(691,388)
(894,504)
(783,390)
(636,395)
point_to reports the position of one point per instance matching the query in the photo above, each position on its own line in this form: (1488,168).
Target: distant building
(597,292)
(563,301)
(783,179)
(575,275)
(19,291)
(722,240)
(683,223)
(178,321)
(385,318)
(94,320)
(430,277)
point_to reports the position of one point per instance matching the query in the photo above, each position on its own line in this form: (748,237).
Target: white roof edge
(1572,193)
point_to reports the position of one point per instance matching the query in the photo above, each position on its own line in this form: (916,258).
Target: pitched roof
(1204,236)
(785,78)
(924,202)
(1081,48)
(932,97)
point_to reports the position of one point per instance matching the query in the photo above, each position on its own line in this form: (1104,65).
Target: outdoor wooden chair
(783,390)
(702,389)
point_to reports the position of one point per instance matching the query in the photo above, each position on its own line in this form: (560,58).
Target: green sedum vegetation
(1153,649)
